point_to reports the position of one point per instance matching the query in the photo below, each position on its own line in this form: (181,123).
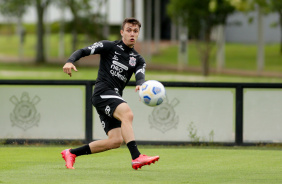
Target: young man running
(118,61)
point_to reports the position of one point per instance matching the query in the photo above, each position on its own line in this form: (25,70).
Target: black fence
(239,87)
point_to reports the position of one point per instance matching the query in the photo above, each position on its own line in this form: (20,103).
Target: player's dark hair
(133,21)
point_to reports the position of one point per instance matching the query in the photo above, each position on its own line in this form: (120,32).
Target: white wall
(247,32)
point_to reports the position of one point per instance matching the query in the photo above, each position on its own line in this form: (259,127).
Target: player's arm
(96,48)
(140,73)
(67,68)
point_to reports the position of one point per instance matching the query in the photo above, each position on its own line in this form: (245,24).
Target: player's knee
(129,116)
(116,143)
(123,113)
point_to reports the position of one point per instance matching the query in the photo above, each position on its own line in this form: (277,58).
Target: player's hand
(67,68)
(137,88)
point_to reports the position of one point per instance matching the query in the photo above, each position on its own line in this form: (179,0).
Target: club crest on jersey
(132,61)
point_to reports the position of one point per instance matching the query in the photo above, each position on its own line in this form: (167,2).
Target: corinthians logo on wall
(24,114)
(163,116)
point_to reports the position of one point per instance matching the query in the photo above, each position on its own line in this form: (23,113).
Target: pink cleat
(143,160)
(69,158)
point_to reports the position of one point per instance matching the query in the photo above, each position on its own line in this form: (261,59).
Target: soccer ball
(152,93)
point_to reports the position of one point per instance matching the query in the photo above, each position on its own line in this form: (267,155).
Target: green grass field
(201,165)
(238,57)
(54,72)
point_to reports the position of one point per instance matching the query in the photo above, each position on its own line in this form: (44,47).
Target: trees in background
(276,6)
(77,7)
(262,7)
(201,17)
(266,6)
(41,6)
(16,9)
(84,20)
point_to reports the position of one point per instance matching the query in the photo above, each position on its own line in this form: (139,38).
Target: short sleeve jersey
(117,64)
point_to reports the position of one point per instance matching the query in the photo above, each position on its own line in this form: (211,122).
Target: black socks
(133,149)
(83,150)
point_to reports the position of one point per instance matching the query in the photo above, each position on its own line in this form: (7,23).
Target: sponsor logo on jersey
(117,69)
(115,57)
(120,46)
(120,65)
(117,53)
(132,61)
(94,46)
(142,70)
(132,54)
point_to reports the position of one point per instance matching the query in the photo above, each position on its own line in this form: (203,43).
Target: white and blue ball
(152,93)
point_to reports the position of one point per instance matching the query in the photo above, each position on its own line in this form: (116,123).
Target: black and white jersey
(117,64)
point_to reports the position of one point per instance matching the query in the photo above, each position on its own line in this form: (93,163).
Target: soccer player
(118,61)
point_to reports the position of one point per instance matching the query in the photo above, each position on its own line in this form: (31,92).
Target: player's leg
(114,141)
(125,115)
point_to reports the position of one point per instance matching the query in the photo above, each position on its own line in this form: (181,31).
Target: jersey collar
(126,47)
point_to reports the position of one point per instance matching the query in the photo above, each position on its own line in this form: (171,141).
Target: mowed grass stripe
(176,165)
